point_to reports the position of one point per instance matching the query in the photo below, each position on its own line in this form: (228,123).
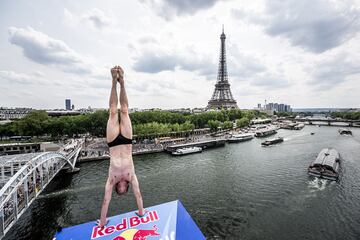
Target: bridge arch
(28,182)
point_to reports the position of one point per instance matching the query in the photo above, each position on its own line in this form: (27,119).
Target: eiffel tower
(222,97)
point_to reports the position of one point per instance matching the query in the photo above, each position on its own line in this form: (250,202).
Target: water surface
(240,191)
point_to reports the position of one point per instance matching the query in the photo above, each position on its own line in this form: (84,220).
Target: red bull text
(124,224)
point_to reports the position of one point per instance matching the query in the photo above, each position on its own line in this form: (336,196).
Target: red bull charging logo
(137,234)
(127,225)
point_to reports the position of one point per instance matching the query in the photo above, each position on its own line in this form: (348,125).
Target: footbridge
(25,176)
(329,121)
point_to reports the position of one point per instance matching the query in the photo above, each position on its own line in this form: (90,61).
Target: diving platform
(167,221)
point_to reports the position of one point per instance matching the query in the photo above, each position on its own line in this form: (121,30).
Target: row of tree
(38,123)
(346,115)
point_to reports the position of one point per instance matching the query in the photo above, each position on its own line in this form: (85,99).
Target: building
(278,107)
(68,104)
(222,96)
(13,113)
(17,148)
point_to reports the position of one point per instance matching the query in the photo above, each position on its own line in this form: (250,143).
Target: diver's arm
(105,205)
(137,194)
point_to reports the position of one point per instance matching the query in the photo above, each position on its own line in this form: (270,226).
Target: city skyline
(303,53)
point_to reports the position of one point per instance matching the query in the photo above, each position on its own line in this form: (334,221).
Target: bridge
(329,121)
(25,176)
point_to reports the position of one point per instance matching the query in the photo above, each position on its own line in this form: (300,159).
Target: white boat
(326,165)
(344,131)
(186,150)
(299,126)
(240,137)
(265,132)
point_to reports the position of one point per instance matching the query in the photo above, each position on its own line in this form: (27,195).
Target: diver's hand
(141,213)
(102,222)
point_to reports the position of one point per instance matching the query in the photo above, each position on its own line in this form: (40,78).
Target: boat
(265,132)
(289,126)
(240,137)
(344,131)
(299,126)
(312,133)
(272,141)
(186,150)
(326,164)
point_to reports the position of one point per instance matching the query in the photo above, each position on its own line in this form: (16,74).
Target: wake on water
(318,184)
(292,137)
(68,191)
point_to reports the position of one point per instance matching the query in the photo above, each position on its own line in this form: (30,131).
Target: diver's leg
(125,122)
(112,128)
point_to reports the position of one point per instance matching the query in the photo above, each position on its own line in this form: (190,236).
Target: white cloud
(158,60)
(95,18)
(335,69)
(168,9)
(11,77)
(316,26)
(45,50)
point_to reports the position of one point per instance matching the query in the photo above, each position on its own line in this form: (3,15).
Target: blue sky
(304,53)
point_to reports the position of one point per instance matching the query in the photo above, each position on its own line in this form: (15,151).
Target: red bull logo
(126,224)
(135,234)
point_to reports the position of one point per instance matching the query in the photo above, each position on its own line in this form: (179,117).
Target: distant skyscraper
(68,104)
(278,107)
(222,97)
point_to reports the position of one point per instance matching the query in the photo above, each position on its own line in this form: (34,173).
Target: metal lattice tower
(222,96)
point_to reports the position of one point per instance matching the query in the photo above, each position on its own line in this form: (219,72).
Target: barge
(326,165)
(272,141)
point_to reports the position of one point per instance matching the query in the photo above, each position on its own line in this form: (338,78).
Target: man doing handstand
(119,139)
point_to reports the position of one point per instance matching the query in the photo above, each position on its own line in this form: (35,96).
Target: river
(240,191)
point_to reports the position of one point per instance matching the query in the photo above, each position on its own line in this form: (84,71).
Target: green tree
(187,126)
(213,125)
(228,125)
(33,124)
(242,122)
(97,123)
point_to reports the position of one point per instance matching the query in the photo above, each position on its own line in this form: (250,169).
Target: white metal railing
(28,182)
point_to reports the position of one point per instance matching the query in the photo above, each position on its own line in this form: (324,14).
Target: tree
(228,125)
(213,125)
(242,122)
(33,124)
(97,123)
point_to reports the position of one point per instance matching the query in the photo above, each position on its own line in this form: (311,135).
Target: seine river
(240,191)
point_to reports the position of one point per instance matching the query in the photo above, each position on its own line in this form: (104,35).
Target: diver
(119,140)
